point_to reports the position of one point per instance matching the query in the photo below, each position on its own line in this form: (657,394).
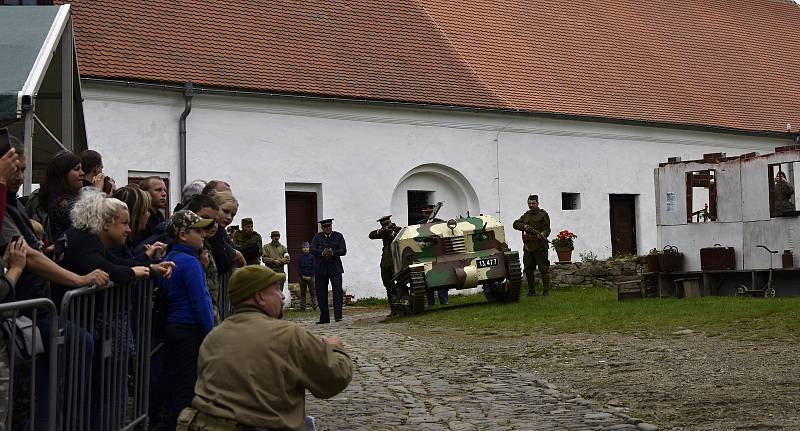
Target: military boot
(545,284)
(531,284)
(390,297)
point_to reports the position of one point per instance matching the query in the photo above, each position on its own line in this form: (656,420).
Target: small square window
(570,201)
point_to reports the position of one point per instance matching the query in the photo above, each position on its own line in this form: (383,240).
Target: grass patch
(372,302)
(597,310)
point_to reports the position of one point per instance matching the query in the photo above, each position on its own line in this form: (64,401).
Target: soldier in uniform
(535,227)
(254,368)
(386,233)
(328,247)
(427,210)
(248,242)
(275,255)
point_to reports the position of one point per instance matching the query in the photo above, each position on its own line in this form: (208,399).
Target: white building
(352,110)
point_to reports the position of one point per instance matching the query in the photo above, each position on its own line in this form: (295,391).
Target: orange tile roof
(732,64)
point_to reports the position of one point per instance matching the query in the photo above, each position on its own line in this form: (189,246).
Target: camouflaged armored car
(459,253)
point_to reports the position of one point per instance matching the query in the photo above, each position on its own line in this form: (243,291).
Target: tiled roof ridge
(461,56)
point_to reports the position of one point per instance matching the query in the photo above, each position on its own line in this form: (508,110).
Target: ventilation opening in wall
(570,201)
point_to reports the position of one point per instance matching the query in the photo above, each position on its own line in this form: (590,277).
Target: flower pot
(564,254)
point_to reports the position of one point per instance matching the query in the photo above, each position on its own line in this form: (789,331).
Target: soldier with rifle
(386,233)
(430,211)
(535,227)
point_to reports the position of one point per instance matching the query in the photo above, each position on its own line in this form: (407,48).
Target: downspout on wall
(188,93)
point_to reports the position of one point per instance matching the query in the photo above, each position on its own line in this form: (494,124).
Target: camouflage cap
(275,233)
(384,218)
(533,198)
(247,221)
(185,219)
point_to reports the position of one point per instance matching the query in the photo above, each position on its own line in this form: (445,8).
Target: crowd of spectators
(79,230)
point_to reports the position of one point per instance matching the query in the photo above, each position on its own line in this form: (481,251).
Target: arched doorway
(431,183)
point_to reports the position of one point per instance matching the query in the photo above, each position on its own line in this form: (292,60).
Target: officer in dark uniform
(386,233)
(535,227)
(427,211)
(328,247)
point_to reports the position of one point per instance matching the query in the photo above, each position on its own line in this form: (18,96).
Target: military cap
(326,221)
(245,282)
(247,221)
(185,219)
(533,198)
(384,218)
(305,244)
(275,233)
(428,207)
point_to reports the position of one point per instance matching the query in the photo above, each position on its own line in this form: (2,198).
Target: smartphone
(5,141)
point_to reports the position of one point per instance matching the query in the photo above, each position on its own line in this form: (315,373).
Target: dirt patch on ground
(683,381)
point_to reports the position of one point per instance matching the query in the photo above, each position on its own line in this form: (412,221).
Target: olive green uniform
(535,248)
(247,379)
(244,242)
(387,265)
(212,282)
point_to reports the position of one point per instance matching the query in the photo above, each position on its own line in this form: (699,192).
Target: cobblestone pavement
(407,383)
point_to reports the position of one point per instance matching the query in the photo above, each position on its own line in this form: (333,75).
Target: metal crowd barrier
(225,307)
(24,342)
(106,369)
(99,378)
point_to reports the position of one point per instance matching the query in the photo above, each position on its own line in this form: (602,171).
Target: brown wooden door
(301,225)
(623,224)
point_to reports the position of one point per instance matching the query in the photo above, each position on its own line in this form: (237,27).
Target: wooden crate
(630,289)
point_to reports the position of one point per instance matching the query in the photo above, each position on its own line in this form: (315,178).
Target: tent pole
(67,79)
(28,141)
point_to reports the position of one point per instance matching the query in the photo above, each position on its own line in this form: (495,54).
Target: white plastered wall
(362,154)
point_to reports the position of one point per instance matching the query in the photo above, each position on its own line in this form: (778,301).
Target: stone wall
(603,272)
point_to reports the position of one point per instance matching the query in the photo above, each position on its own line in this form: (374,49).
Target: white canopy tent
(40,100)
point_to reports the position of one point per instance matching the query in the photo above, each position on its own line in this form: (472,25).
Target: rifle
(435,211)
(533,232)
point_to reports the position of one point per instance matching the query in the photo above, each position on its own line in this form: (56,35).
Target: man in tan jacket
(254,368)
(275,255)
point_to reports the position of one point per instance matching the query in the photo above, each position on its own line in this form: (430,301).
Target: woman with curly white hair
(98,224)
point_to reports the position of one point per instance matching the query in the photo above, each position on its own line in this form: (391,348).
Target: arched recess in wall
(443,183)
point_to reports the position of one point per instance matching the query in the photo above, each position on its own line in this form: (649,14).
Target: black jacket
(82,253)
(156,218)
(328,265)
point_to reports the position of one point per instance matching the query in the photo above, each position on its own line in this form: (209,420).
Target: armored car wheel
(507,290)
(491,291)
(416,298)
(514,277)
